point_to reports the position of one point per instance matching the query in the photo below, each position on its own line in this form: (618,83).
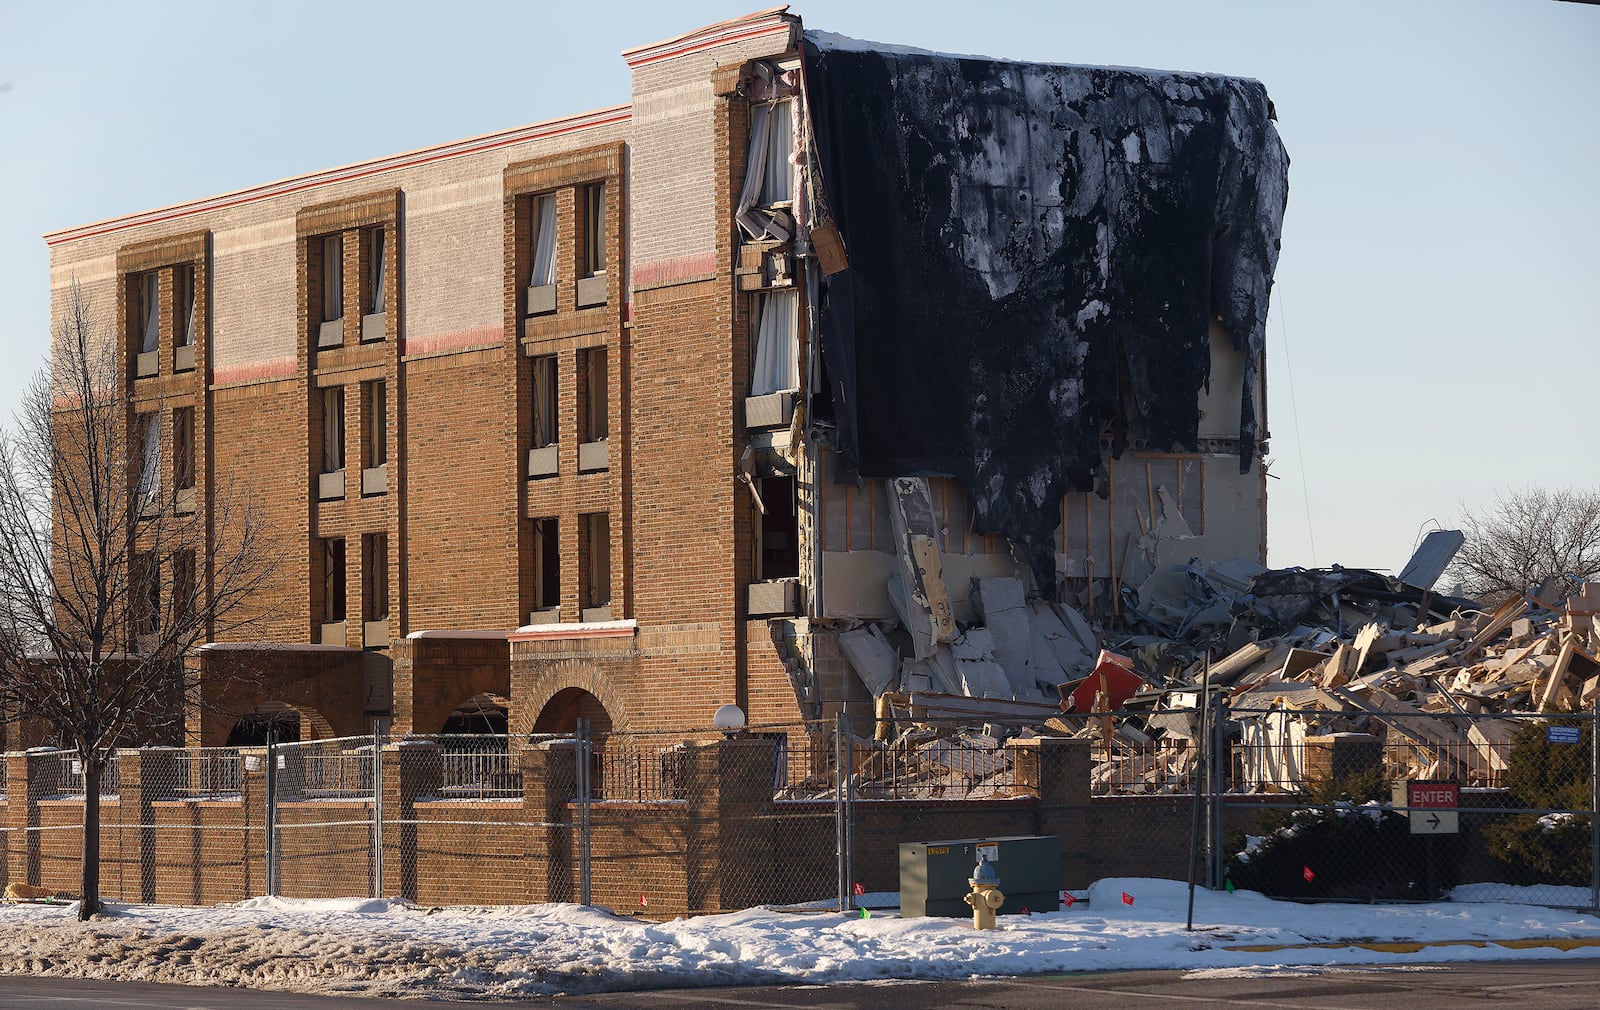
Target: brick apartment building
(546,421)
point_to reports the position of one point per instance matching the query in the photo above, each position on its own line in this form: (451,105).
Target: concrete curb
(1413,946)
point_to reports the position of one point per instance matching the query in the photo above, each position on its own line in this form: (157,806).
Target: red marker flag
(858,888)
(643,901)
(1025,910)
(1306,873)
(1068,899)
(1127,899)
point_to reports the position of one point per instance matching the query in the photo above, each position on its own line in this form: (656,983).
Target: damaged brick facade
(569,476)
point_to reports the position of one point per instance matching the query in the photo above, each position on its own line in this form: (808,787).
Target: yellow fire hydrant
(986,895)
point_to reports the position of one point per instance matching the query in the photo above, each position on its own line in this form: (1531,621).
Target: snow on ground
(394,948)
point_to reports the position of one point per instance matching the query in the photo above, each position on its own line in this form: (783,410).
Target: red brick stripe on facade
(691,267)
(456,340)
(258,371)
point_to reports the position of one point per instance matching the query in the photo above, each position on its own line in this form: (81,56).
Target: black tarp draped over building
(1033,250)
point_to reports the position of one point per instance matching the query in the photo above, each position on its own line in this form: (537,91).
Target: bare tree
(1527,537)
(111,570)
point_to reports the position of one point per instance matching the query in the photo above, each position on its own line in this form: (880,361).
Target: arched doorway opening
(562,712)
(479,715)
(283,723)
(474,752)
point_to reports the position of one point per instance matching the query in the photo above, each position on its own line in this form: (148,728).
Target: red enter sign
(1433,794)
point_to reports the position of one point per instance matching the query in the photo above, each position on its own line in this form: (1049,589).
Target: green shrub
(1546,848)
(1355,846)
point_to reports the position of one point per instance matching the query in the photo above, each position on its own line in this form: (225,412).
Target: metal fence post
(377,808)
(584,789)
(1217,769)
(1594,806)
(841,812)
(271,819)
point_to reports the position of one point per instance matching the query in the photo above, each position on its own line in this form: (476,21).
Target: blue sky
(1433,337)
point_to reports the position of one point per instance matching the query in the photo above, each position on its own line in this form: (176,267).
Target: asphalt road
(1548,985)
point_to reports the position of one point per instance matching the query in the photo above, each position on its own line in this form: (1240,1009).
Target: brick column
(22,818)
(147,775)
(728,851)
(411,768)
(1055,771)
(549,782)
(1342,754)
(253,810)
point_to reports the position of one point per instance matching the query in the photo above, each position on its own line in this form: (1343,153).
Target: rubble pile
(1290,654)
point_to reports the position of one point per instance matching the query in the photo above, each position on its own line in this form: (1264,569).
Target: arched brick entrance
(561,713)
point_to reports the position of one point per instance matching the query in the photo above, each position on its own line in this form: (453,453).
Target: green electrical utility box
(934,875)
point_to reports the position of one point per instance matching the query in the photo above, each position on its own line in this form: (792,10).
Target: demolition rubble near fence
(1292,653)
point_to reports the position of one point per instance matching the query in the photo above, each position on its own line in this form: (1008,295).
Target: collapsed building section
(817,372)
(1032,315)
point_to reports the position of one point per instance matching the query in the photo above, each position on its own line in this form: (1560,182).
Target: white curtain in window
(150,459)
(777,364)
(187,336)
(152,312)
(779,172)
(379,268)
(755,222)
(332,278)
(544,242)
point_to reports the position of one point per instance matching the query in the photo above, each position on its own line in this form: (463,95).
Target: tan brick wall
(456,362)
(460,491)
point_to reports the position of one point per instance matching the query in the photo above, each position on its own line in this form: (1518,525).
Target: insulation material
(1035,253)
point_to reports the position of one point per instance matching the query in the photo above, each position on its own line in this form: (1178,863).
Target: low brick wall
(725,844)
(206,852)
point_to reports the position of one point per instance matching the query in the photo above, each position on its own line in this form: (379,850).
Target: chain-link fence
(1292,801)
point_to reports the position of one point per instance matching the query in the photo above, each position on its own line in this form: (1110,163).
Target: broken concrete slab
(1004,610)
(872,657)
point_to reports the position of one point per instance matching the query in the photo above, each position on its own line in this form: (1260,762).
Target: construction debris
(1298,658)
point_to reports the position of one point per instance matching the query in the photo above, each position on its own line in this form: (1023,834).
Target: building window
(332,278)
(543,455)
(375,576)
(148,488)
(594,229)
(778,176)
(776,366)
(377,270)
(333,572)
(183,456)
(778,554)
(183,281)
(144,595)
(596,401)
(332,429)
(594,451)
(542,277)
(149,311)
(544,401)
(769,172)
(375,421)
(595,532)
(185,603)
(546,564)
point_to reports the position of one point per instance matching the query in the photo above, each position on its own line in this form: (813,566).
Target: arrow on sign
(1433,820)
